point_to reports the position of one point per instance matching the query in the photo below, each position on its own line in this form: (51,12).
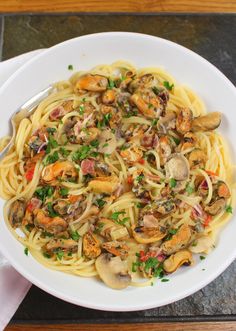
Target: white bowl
(142,50)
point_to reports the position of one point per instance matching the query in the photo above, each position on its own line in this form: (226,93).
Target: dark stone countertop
(213,37)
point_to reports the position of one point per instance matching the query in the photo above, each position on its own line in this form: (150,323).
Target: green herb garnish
(51,158)
(51,130)
(168,86)
(43,192)
(139,178)
(165,280)
(75,235)
(154,122)
(64,191)
(100,203)
(70,67)
(111,84)
(59,254)
(173,183)
(51,211)
(156,90)
(229,209)
(47,255)
(64,152)
(94,143)
(26,251)
(81,153)
(202,257)
(115,215)
(81,109)
(190,188)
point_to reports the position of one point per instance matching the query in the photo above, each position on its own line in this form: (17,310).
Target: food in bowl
(120,174)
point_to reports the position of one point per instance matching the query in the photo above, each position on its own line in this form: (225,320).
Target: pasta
(118,173)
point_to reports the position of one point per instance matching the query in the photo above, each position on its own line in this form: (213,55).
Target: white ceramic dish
(142,50)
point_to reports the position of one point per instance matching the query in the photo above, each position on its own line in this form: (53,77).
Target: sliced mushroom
(184,120)
(104,184)
(207,122)
(202,245)
(177,167)
(116,248)
(223,190)
(147,235)
(111,230)
(216,207)
(65,244)
(107,142)
(16,213)
(95,83)
(183,257)
(178,241)
(113,271)
(197,159)
(91,246)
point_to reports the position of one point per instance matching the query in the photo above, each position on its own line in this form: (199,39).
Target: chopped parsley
(124,147)
(202,257)
(165,280)
(105,121)
(64,191)
(47,255)
(43,192)
(51,130)
(190,188)
(26,251)
(173,183)
(150,106)
(100,203)
(229,209)
(64,152)
(51,211)
(52,143)
(81,109)
(94,143)
(123,221)
(75,235)
(176,140)
(115,215)
(82,153)
(154,122)
(111,84)
(51,158)
(171,232)
(139,205)
(70,67)
(47,234)
(139,178)
(168,85)
(59,254)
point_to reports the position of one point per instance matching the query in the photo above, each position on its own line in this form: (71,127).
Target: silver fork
(25,111)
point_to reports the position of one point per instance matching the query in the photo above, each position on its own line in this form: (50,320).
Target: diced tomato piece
(141,161)
(207,220)
(130,180)
(30,174)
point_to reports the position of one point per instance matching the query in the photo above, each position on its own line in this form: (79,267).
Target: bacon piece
(88,167)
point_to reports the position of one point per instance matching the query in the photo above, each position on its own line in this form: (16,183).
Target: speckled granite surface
(213,37)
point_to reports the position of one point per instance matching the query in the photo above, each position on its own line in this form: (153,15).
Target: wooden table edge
(173,326)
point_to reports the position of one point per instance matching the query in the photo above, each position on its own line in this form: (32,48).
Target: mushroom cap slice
(177,260)
(113,271)
(177,167)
